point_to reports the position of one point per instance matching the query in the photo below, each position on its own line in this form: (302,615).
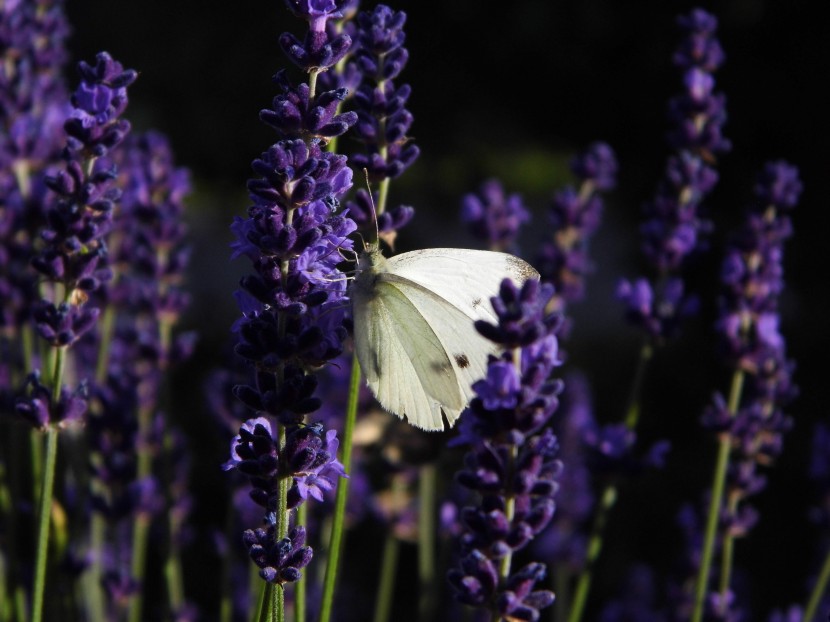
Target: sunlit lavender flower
(512,459)
(293,304)
(674,229)
(74,257)
(575,215)
(493,217)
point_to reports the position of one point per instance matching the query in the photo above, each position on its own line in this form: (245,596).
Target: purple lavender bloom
(307,458)
(493,217)
(74,257)
(675,229)
(564,542)
(33,107)
(575,215)
(319,51)
(280,561)
(295,113)
(383,120)
(752,278)
(41,410)
(659,315)
(391,220)
(512,462)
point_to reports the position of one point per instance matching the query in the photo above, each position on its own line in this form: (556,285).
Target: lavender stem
(336,542)
(718,485)
(44,514)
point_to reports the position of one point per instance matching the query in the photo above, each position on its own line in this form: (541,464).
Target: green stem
(44,513)
(583,585)
(819,590)
(300,585)
(338,520)
(386,588)
(141,527)
(561,587)
(718,487)
(278,602)
(426,541)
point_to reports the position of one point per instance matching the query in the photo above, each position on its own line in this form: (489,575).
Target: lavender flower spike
(512,459)
(675,227)
(493,217)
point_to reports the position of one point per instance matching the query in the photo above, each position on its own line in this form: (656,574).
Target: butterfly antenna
(372,203)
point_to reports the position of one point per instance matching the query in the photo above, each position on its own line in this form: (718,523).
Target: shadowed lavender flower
(575,215)
(493,217)
(564,542)
(754,420)
(674,229)
(383,120)
(126,434)
(512,458)
(749,326)
(319,50)
(280,561)
(33,107)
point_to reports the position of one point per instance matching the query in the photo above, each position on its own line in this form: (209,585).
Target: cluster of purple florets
(294,301)
(753,279)
(512,462)
(674,229)
(383,121)
(73,256)
(575,215)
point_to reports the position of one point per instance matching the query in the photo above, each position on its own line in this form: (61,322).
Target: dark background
(512,90)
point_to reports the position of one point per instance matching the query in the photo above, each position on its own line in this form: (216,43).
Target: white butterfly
(413,326)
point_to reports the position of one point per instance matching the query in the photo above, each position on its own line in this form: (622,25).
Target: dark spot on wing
(441,368)
(476,302)
(461,360)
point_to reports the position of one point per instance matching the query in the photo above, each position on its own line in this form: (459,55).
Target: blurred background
(512,90)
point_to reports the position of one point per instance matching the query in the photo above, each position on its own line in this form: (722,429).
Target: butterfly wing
(404,361)
(466,350)
(414,328)
(465,278)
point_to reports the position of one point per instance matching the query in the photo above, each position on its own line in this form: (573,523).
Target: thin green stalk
(44,513)
(819,589)
(141,526)
(718,486)
(583,585)
(300,585)
(608,497)
(386,586)
(141,531)
(426,541)
(561,587)
(264,609)
(282,530)
(337,526)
